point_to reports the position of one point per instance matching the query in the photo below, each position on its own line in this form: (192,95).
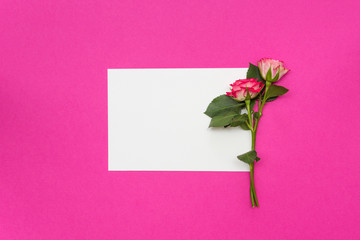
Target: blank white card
(156,121)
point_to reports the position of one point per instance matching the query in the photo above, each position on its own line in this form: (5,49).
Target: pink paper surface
(54,182)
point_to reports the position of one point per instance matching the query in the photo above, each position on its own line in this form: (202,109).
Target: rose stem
(253,138)
(252,184)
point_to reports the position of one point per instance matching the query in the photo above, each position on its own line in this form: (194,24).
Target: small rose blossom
(240,87)
(276,68)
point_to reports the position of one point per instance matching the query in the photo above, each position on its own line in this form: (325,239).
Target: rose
(271,70)
(242,86)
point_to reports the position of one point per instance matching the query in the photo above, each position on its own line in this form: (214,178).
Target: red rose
(239,87)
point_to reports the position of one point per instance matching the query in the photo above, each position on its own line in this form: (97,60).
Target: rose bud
(271,70)
(242,86)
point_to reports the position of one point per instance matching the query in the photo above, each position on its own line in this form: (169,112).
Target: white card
(156,121)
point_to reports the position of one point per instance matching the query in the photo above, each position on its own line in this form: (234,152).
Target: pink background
(54,182)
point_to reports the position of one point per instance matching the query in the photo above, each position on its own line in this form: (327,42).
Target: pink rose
(271,70)
(239,87)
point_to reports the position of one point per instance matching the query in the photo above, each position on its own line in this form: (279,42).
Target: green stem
(261,105)
(251,122)
(252,197)
(254,201)
(253,127)
(253,140)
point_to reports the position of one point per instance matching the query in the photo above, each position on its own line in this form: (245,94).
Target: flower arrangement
(226,110)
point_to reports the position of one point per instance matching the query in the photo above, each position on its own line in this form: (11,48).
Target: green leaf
(248,157)
(248,96)
(256,115)
(238,120)
(221,104)
(257,159)
(252,104)
(275,91)
(268,75)
(276,77)
(223,120)
(254,72)
(271,99)
(244,126)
